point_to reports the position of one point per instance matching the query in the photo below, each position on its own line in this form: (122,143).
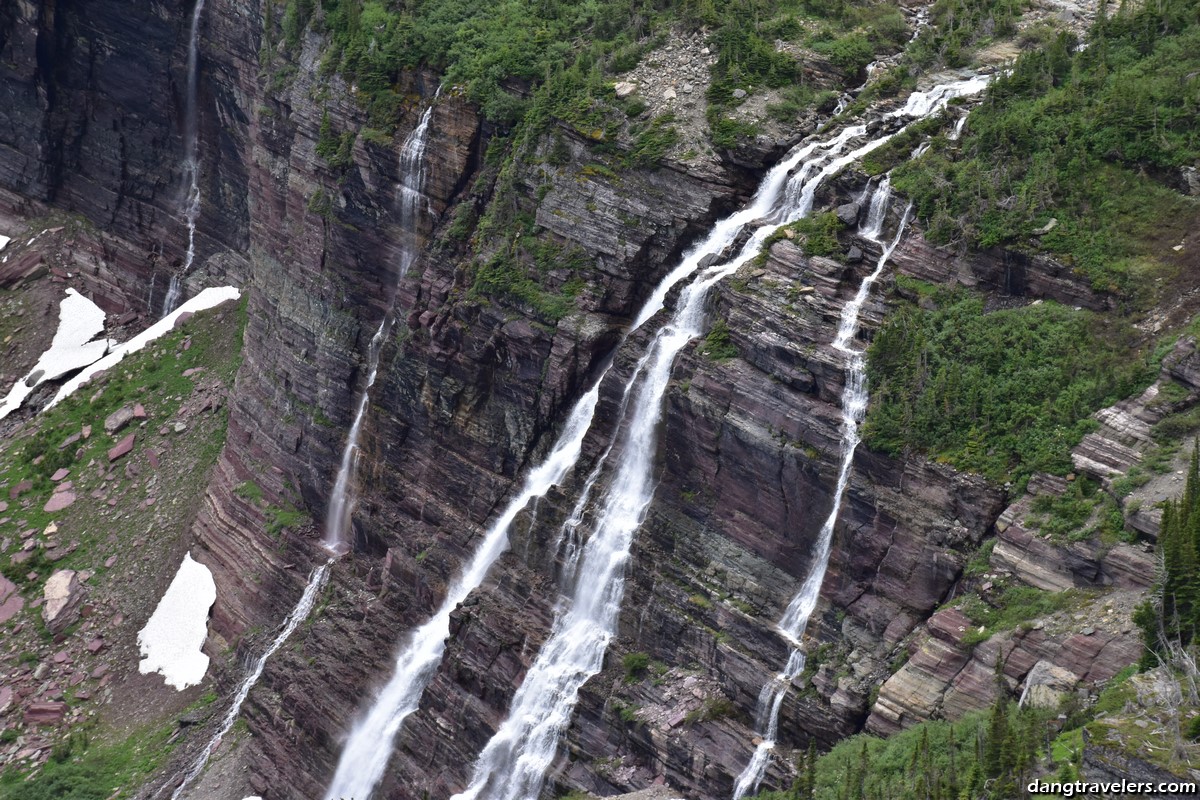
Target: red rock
(139,411)
(108,562)
(100,671)
(152,457)
(3,506)
(65,486)
(6,696)
(12,606)
(60,474)
(77,678)
(87,431)
(7,588)
(45,713)
(122,447)
(70,440)
(83,695)
(182,318)
(21,557)
(58,501)
(61,657)
(187,373)
(95,645)
(19,489)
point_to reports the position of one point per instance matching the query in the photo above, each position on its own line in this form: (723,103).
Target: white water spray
(513,765)
(795,618)
(307,599)
(342,499)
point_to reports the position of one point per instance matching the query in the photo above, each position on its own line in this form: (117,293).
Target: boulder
(624,89)
(854,255)
(63,597)
(848,213)
(122,447)
(45,713)
(1046,685)
(58,501)
(118,419)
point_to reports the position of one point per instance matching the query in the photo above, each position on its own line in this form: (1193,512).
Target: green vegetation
(1012,607)
(635,665)
(986,754)
(653,142)
(957,27)
(83,770)
(1171,619)
(717,344)
(1087,138)
(154,377)
(713,708)
(1005,393)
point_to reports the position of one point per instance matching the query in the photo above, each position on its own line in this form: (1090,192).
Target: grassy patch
(84,770)
(1006,393)
(1014,606)
(717,344)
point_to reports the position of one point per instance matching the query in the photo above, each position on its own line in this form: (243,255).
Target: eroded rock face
(469,395)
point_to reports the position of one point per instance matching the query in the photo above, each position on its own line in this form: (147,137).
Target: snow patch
(79,321)
(4,240)
(171,641)
(206,299)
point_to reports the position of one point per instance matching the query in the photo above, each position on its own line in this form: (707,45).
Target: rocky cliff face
(471,392)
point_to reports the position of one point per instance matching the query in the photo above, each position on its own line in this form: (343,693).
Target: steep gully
(514,762)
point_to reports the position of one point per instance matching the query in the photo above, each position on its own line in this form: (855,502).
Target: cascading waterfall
(369,745)
(171,298)
(513,764)
(341,500)
(309,597)
(795,618)
(191,159)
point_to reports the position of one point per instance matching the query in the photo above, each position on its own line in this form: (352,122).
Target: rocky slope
(471,391)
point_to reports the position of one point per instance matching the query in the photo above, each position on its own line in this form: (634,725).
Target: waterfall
(191,157)
(171,299)
(795,618)
(316,581)
(342,498)
(514,762)
(368,747)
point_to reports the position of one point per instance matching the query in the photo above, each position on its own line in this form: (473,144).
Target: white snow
(79,321)
(206,299)
(4,240)
(176,631)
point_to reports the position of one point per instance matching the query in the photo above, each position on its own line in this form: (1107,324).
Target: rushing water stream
(513,764)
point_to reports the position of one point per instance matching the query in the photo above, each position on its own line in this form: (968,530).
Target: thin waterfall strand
(191,157)
(854,403)
(368,748)
(316,581)
(513,764)
(342,498)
